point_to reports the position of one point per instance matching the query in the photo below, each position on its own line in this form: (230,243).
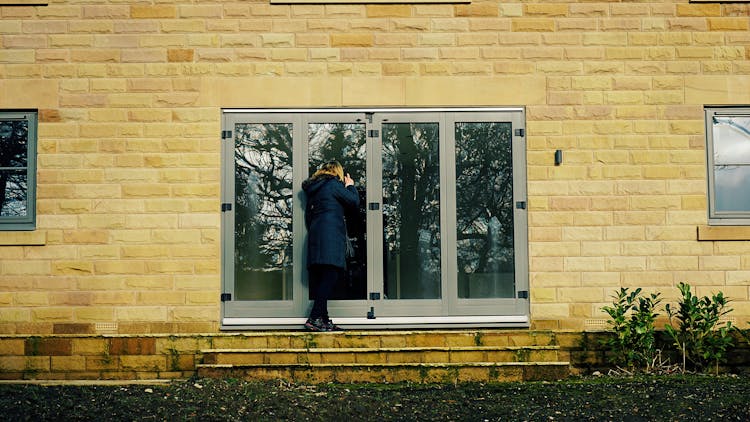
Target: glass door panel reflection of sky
(731,143)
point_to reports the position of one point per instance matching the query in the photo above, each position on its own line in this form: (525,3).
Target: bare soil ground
(647,398)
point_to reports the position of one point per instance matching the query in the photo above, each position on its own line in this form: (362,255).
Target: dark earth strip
(609,398)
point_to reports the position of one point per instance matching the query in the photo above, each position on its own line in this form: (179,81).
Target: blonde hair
(331,168)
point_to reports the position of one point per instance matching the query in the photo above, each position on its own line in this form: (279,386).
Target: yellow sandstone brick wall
(129,97)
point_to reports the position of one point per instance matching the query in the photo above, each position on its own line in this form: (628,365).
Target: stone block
(388,10)
(195,313)
(200,11)
(352,40)
(52,314)
(436,339)
(532,25)
(22,93)
(461,339)
(728,24)
(473,374)
(358,341)
(68,364)
(73,328)
(578,295)
(47,346)
(132,346)
(141,313)
(12,347)
(12,367)
(481,9)
(455,356)
(549,10)
(141,363)
(90,346)
(552,311)
(153,11)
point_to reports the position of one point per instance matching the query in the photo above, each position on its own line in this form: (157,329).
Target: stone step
(376,339)
(388,356)
(391,372)
(381,355)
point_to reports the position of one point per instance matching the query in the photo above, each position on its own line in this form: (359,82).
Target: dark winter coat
(327,199)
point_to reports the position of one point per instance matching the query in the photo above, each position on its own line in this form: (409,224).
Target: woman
(329,195)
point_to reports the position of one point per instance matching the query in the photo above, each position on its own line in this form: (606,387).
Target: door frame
(460,312)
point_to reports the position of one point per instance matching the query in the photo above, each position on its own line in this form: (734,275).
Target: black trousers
(323,279)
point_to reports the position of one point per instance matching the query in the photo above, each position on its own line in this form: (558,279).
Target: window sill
(370,1)
(18,238)
(723,232)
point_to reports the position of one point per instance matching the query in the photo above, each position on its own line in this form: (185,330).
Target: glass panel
(14,136)
(484,210)
(13,173)
(731,140)
(411,211)
(13,193)
(731,188)
(263,214)
(347,144)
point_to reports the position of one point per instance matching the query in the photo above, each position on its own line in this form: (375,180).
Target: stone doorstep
(391,373)
(382,354)
(384,365)
(382,349)
(447,333)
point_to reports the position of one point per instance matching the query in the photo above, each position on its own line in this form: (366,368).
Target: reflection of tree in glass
(263,191)
(411,204)
(484,197)
(13,162)
(347,144)
(343,142)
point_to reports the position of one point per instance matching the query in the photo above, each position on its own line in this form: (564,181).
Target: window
(18,170)
(439,235)
(728,151)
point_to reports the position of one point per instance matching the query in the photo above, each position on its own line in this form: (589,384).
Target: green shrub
(700,336)
(633,343)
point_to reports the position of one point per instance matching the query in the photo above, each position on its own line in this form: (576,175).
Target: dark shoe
(316,324)
(330,326)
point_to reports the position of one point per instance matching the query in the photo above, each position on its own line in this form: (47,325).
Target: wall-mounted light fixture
(558,157)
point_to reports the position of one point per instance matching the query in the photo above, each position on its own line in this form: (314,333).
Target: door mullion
(374,215)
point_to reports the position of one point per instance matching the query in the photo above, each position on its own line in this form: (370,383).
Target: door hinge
(523,294)
(520,132)
(373,206)
(373,133)
(371,313)
(226,134)
(226,297)
(521,205)
(375,296)
(226,207)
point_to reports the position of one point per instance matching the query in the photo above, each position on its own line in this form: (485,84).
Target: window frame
(450,309)
(27,222)
(721,218)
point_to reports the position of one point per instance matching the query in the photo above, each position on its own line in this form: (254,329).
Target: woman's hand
(348,181)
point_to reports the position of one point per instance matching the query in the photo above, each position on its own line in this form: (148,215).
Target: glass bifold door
(440,236)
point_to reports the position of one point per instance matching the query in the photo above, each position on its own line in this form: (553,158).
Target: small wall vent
(595,325)
(105,327)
